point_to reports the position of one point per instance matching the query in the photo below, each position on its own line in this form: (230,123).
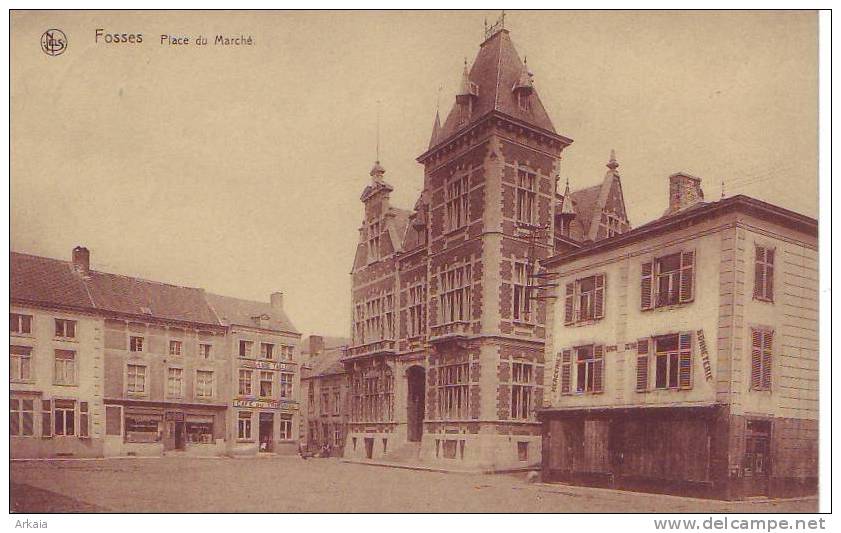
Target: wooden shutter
(642,364)
(767,351)
(566,371)
(598,296)
(646,286)
(759,273)
(769,273)
(687,276)
(598,368)
(684,374)
(569,304)
(756,359)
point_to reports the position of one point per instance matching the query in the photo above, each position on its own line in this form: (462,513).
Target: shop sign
(705,355)
(174,416)
(262,364)
(256,404)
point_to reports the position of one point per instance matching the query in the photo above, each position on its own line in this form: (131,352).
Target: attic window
(374,241)
(524,100)
(146,310)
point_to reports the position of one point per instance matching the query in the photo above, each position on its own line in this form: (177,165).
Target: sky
(239,169)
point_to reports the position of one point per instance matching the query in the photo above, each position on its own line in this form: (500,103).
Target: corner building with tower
(446,362)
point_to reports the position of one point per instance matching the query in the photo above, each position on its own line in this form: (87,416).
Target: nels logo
(53,42)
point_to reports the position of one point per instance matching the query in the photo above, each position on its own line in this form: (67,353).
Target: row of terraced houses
(508,322)
(107,365)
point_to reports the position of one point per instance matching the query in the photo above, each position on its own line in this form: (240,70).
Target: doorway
(757,463)
(266,432)
(416,402)
(175,435)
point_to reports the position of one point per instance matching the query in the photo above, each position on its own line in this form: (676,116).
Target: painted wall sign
(705,355)
(267,404)
(267,365)
(555,373)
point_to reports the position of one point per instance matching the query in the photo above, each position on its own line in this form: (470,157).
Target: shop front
(262,426)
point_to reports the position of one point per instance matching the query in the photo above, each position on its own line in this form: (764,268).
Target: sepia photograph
(418,261)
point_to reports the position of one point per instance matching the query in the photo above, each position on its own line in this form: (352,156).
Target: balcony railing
(385,346)
(449,330)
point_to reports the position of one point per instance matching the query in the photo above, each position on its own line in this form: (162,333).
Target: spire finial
(612,164)
(722,189)
(378,131)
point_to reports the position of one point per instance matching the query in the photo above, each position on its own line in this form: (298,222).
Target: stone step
(408,452)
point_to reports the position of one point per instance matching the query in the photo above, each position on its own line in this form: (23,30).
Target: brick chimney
(316,345)
(684,191)
(276,299)
(81,260)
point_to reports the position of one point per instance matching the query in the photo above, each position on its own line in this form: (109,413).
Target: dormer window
(374,241)
(524,100)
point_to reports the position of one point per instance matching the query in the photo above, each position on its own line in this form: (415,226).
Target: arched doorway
(416,402)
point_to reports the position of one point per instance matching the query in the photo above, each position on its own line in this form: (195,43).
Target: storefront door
(266,432)
(757,463)
(174,438)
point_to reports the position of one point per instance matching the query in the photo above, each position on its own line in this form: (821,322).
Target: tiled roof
(46,281)
(326,363)
(496,69)
(239,312)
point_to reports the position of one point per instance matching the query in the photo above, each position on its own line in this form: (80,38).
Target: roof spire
(377,171)
(566,203)
(525,82)
(468,89)
(612,164)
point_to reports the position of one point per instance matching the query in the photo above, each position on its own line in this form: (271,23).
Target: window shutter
(687,276)
(642,365)
(685,361)
(46,418)
(769,274)
(759,276)
(569,304)
(598,368)
(767,351)
(598,297)
(756,360)
(566,371)
(646,285)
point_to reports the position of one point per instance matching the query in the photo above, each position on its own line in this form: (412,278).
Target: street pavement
(291,485)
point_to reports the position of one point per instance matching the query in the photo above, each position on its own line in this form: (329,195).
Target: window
(245,348)
(372,396)
(453,391)
(286,352)
(374,241)
(65,328)
(338,442)
(522,291)
(285,426)
(113,420)
(325,402)
(135,344)
(584,299)
(337,401)
(612,224)
(311,397)
(175,348)
(136,379)
(22,417)
(143,427)
(760,359)
(266,383)
(524,100)
(455,294)
(65,367)
(668,280)
(20,323)
(285,385)
(359,324)
(244,425)
(417,310)
(522,384)
(673,361)
(46,417)
(204,383)
(84,419)
(64,416)
(763,282)
(245,378)
(457,202)
(204,351)
(175,382)
(526,196)
(589,368)
(20,363)
(266,350)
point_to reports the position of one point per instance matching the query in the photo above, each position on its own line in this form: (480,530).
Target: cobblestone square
(292,485)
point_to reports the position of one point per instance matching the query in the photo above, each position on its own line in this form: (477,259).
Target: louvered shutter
(767,351)
(598,368)
(759,276)
(646,285)
(685,361)
(756,360)
(569,304)
(687,276)
(642,364)
(566,371)
(598,296)
(769,273)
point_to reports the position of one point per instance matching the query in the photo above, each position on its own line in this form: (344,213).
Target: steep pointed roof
(436,130)
(496,71)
